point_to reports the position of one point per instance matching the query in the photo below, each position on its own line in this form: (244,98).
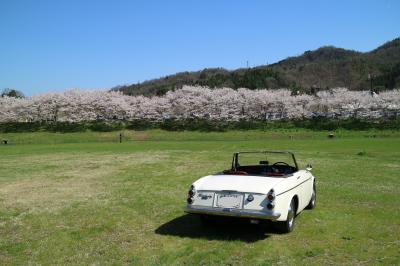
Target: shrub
(194,124)
(20,127)
(66,127)
(106,126)
(140,124)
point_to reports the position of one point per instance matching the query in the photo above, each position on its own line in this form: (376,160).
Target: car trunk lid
(240,183)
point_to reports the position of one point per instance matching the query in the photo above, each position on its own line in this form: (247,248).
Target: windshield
(265,158)
(263,163)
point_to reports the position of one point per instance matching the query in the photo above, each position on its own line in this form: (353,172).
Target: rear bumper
(232,212)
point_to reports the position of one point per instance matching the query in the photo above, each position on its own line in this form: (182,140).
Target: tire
(288,225)
(313,200)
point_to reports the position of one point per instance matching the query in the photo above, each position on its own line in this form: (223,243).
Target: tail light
(192,191)
(191,194)
(271,199)
(271,195)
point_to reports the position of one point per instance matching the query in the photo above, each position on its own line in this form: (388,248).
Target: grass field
(84,198)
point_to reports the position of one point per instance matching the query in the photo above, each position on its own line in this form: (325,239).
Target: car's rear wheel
(288,225)
(313,200)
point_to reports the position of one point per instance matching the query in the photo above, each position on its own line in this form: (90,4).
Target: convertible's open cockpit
(263,163)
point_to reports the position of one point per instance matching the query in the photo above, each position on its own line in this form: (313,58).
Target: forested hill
(326,67)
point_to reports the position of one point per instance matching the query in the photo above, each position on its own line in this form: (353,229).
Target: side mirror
(308,167)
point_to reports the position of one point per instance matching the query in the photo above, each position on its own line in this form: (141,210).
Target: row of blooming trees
(198,102)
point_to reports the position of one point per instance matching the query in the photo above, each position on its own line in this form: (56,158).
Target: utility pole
(370,77)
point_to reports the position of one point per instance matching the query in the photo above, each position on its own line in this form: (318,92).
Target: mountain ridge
(322,68)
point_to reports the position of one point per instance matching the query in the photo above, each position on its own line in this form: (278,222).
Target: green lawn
(84,198)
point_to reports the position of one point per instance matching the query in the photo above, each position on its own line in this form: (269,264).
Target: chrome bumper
(232,212)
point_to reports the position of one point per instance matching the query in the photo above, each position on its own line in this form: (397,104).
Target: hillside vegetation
(324,68)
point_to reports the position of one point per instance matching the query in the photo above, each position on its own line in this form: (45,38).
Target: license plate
(229,200)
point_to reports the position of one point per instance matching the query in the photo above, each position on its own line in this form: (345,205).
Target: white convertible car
(266,185)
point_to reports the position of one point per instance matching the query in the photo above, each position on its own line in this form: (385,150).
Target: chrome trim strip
(293,187)
(232,212)
(231,191)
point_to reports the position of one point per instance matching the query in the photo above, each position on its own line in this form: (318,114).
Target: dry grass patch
(392,165)
(61,179)
(48,195)
(140,135)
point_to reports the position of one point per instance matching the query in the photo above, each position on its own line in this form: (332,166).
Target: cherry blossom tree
(198,102)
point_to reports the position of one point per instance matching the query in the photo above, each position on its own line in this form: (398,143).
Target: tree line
(191,102)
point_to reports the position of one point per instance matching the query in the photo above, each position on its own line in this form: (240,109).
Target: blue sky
(56,45)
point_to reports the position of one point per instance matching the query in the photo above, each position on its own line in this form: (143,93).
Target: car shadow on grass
(221,229)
